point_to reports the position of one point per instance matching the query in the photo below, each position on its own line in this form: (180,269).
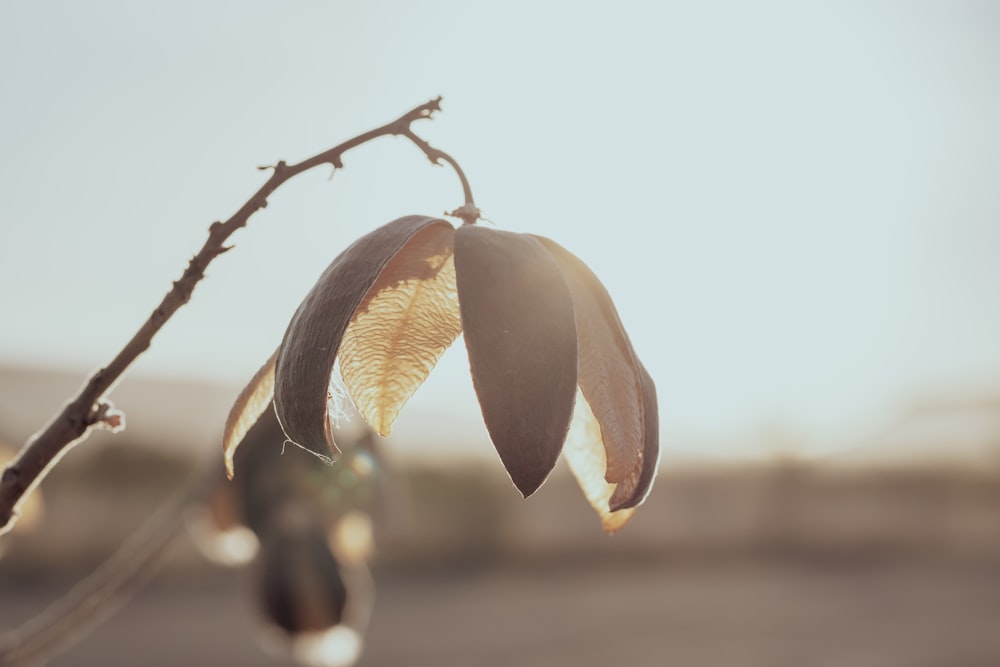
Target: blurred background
(794,206)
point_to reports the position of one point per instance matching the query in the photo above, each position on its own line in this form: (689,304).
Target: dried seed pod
(539,328)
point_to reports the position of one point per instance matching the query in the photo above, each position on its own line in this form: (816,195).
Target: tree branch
(89,408)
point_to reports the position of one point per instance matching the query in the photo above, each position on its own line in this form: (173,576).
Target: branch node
(10,474)
(104,415)
(468,212)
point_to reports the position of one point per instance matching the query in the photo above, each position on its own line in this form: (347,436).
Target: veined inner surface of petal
(314,334)
(405,322)
(584,452)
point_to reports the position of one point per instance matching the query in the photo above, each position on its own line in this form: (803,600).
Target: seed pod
(547,350)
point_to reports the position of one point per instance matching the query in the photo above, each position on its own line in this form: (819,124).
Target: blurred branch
(96,598)
(292,518)
(90,408)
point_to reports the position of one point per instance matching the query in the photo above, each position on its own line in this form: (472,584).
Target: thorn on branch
(428,109)
(424,111)
(276,167)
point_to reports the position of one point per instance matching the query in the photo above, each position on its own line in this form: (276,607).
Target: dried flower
(552,366)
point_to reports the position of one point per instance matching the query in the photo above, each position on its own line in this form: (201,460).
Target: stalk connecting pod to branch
(90,408)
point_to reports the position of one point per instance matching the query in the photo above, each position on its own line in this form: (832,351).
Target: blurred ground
(766,613)
(775,565)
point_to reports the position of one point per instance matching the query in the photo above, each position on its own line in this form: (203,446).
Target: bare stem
(468,212)
(90,408)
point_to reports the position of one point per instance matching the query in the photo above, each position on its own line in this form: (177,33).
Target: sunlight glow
(793,205)
(337,647)
(352,538)
(236,545)
(339,405)
(585,453)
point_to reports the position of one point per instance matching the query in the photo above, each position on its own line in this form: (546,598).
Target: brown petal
(585,453)
(306,356)
(608,369)
(517,315)
(406,321)
(250,405)
(631,491)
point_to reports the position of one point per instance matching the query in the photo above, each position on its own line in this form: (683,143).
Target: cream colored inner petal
(409,317)
(607,374)
(584,452)
(249,406)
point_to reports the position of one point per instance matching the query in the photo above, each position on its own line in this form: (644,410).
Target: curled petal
(585,454)
(517,315)
(312,340)
(406,321)
(249,406)
(631,491)
(608,368)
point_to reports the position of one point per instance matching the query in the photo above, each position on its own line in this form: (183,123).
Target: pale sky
(795,205)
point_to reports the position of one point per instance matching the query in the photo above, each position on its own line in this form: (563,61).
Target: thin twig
(90,408)
(468,212)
